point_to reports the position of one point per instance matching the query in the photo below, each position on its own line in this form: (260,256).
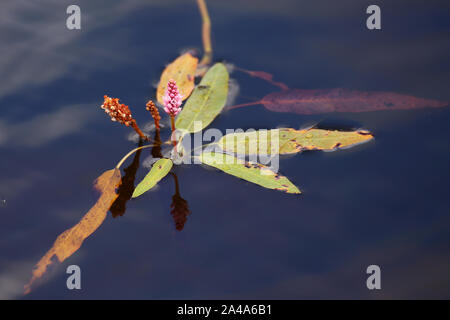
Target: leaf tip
(294,190)
(136,193)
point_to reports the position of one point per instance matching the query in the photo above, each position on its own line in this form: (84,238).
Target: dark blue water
(383,203)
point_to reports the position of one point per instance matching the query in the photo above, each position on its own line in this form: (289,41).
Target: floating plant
(202,104)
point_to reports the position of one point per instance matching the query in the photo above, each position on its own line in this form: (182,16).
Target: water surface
(384,203)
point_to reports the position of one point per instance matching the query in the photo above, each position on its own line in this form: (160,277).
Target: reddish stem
(172,122)
(245,105)
(138,131)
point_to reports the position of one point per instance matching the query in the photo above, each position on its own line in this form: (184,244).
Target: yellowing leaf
(252,172)
(292,141)
(288,141)
(182,70)
(206,102)
(158,171)
(71,240)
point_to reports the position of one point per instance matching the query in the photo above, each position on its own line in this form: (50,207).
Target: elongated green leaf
(253,172)
(288,141)
(206,101)
(158,171)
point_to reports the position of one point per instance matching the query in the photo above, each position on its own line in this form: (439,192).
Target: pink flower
(172,99)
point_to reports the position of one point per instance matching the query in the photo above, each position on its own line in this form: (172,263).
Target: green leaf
(206,101)
(288,141)
(158,171)
(253,172)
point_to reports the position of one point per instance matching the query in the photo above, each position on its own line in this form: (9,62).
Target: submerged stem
(206,33)
(244,105)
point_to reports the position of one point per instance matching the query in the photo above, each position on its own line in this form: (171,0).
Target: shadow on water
(127,187)
(179,207)
(117,191)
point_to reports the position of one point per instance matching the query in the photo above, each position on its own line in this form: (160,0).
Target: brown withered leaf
(182,70)
(71,240)
(341,100)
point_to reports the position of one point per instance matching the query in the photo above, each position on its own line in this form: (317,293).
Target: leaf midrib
(204,102)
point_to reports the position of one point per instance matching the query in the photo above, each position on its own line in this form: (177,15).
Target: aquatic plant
(150,106)
(203,103)
(121,113)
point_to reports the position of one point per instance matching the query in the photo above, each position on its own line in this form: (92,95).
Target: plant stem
(172,122)
(206,33)
(244,105)
(130,153)
(138,131)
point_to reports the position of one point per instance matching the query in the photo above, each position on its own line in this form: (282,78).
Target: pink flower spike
(172,99)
